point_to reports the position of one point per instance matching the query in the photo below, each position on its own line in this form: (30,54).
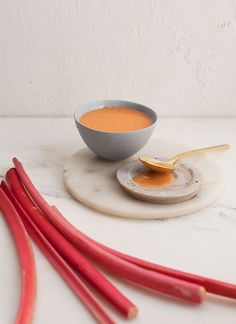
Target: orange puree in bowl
(115,119)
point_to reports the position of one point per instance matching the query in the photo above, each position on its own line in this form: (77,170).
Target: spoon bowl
(157,165)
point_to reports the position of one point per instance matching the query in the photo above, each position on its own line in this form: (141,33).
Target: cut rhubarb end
(203,292)
(133,312)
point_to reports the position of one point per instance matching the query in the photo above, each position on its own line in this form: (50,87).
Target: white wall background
(177,56)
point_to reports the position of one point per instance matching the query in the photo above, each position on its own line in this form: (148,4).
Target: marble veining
(54,193)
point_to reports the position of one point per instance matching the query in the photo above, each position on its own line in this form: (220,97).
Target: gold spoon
(164,166)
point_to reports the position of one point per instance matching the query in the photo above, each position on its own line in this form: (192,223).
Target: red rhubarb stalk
(129,271)
(211,285)
(26,257)
(126,270)
(61,266)
(68,251)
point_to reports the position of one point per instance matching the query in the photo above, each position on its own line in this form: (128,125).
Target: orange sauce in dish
(152,179)
(115,119)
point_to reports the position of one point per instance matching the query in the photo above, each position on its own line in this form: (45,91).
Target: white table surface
(203,243)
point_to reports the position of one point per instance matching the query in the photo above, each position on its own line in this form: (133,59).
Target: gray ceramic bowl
(114,146)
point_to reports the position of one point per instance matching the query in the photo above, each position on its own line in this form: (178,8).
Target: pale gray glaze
(114,146)
(187,181)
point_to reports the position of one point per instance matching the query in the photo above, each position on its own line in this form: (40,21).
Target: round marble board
(93,182)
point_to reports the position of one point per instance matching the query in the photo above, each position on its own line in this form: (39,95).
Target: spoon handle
(198,151)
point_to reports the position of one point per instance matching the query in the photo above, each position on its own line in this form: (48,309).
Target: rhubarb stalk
(213,286)
(26,257)
(68,251)
(126,270)
(61,266)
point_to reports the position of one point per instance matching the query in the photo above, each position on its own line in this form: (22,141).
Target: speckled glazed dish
(186,184)
(114,146)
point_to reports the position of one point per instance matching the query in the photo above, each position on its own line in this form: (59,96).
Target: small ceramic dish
(114,146)
(186,183)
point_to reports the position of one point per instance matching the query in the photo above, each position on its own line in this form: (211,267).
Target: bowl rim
(98,102)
